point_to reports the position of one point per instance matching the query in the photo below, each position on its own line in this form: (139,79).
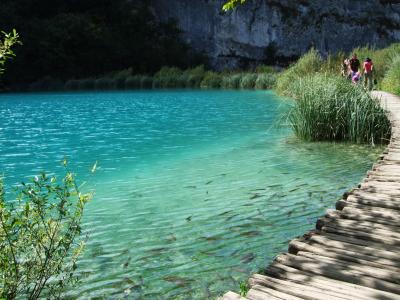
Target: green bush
(308,64)
(104,83)
(391,81)
(133,82)
(120,78)
(265,81)
(194,76)
(40,238)
(87,84)
(146,82)
(211,80)
(72,85)
(231,81)
(329,107)
(248,81)
(167,77)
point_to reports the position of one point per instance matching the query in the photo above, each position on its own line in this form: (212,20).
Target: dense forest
(64,39)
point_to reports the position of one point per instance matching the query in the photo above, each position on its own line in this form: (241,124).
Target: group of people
(351,69)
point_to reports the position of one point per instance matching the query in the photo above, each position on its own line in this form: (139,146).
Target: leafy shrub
(194,77)
(265,81)
(231,81)
(146,82)
(104,83)
(87,84)
(391,82)
(211,80)
(308,64)
(40,238)
(248,81)
(72,85)
(167,77)
(329,107)
(133,82)
(120,78)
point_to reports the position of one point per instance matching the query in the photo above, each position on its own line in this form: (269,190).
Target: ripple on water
(194,190)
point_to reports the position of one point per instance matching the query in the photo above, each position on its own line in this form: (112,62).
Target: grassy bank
(263,77)
(330,107)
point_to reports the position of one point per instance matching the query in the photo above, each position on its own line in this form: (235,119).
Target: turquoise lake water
(195,190)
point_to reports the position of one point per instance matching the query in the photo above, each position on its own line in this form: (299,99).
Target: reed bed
(391,82)
(329,108)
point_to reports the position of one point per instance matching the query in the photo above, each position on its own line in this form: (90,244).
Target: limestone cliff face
(281,29)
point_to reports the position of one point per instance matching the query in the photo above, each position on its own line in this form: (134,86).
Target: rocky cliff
(281,30)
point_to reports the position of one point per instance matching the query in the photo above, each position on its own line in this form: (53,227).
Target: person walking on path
(368,67)
(354,65)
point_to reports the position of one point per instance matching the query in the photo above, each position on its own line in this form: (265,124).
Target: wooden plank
(336,272)
(347,244)
(347,255)
(362,267)
(295,289)
(233,296)
(364,226)
(258,292)
(357,291)
(341,230)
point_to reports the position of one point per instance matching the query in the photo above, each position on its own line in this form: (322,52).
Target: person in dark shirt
(354,64)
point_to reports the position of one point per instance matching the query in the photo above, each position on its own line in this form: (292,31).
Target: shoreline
(353,253)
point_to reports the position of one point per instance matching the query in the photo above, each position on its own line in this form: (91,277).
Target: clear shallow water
(195,190)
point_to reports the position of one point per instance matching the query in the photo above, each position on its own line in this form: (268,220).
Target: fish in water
(231,217)
(248,258)
(295,189)
(255,196)
(189,218)
(208,182)
(274,185)
(190,187)
(126,264)
(180,281)
(289,213)
(251,233)
(171,237)
(225,212)
(211,238)
(158,250)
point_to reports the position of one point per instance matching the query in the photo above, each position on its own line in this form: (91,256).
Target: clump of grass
(329,107)
(244,288)
(167,77)
(391,82)
(193,77)
(308,64)
(265,69)
(248,81)
(265,81)
(211,80)
(231,81)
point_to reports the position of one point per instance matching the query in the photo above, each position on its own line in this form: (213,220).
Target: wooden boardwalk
(354,253)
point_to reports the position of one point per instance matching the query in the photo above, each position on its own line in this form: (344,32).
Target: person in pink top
(368,67)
